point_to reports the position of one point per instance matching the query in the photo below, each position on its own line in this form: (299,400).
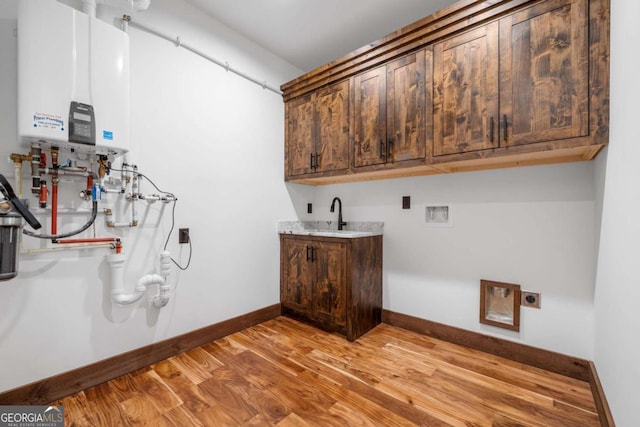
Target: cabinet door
(330,304)
(466,92)
(406,108)
(332,127)
(298,275)
(544,72)
(370,130)
(300,134)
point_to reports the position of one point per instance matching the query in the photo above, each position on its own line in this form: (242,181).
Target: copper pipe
(91,240)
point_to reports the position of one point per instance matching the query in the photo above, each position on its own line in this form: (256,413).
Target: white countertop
(353,229)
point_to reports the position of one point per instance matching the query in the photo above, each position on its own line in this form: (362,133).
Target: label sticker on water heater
(107,134)
(48,121)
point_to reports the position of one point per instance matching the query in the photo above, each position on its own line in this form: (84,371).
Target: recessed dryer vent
(500,304)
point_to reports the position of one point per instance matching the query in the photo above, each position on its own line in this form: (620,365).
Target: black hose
(94,214)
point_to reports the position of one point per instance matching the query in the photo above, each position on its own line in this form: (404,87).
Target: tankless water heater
(73,79)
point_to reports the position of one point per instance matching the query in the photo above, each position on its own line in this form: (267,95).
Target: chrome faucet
(341,223)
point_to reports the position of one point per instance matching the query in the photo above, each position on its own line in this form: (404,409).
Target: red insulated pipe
(43,194)
(90,240)
(54,206)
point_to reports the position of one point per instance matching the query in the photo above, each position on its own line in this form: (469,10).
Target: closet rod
(126,20)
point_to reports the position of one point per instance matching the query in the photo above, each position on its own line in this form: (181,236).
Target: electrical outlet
(406,202)
(530,299)
(183,235)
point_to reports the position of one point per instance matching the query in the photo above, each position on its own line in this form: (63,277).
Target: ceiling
(310,33)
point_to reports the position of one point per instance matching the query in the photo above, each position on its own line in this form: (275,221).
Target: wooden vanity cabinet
(332,283)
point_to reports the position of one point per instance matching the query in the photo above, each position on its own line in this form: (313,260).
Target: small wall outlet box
(406,202)
(530,299)
(183,235)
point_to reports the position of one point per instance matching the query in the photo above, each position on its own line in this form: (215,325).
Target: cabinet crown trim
(455,18)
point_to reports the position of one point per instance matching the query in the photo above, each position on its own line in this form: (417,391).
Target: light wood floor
(286,373)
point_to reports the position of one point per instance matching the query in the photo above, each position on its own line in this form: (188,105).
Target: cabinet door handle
(314,160)
(381,153)
(389,144)
(311,254)
(506,125)
(492,128)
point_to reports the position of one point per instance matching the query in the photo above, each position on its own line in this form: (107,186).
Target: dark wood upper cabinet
(390,113)
(332,127)
(477,85)
(466,76)
(318,131)
(544,74)
(409,104)
(300,135)
(370,117)
(520,80)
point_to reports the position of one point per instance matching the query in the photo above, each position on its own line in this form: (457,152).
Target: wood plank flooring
(286,373)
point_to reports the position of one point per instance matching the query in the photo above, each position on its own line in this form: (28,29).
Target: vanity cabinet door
(298,275)
(330,296)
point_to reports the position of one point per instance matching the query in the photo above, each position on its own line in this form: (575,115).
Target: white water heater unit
(73,80)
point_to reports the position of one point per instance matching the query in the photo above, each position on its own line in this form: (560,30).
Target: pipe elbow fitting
(161,301)
(126,299)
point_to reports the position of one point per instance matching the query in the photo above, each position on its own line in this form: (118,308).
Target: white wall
(530,226)
(617,343)
(213,139)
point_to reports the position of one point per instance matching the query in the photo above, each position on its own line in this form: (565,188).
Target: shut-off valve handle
(7,192)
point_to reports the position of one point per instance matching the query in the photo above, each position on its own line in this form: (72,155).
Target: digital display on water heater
(81,116)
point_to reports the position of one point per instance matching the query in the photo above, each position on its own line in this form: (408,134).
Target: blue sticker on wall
(107,134)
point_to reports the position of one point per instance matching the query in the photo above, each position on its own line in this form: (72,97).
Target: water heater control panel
(82,124)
